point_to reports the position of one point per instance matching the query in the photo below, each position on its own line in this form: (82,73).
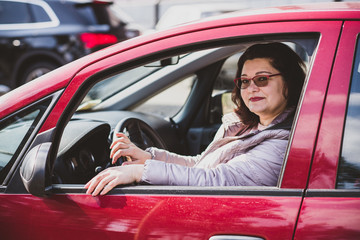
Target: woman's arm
(169,157)
(260,166)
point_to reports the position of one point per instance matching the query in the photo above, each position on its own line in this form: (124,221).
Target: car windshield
(109,87)
(115,84)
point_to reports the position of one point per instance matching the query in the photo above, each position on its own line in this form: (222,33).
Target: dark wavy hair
(282,58)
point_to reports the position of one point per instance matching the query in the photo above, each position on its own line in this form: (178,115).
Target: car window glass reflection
(112,85)
(8,16)
(40,14)
(11,136)
(349,166)
(168,102)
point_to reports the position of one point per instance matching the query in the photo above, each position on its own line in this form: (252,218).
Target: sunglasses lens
(244,83)
(261,81)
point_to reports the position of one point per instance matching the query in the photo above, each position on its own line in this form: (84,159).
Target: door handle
(234,237)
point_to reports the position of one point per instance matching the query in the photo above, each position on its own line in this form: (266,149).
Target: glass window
(39,13)
(14,132)
(95,13)
(14,13)
(87,14)
(115,84)
(349,166)
(168,102)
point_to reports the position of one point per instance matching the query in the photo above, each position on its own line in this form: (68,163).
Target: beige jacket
(251,159)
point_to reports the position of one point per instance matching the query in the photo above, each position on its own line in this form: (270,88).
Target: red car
(169,89)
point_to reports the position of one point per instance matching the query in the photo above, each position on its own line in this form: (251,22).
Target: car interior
(174,102)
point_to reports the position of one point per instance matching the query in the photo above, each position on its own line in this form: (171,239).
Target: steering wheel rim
(140,133)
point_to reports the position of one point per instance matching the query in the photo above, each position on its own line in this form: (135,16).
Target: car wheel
(36,70)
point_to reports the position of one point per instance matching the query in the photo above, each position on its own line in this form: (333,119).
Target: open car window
(173,97)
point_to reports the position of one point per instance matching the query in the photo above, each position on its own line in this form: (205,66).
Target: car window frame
(101,69)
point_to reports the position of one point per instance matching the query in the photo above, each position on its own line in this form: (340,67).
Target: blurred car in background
(38,36)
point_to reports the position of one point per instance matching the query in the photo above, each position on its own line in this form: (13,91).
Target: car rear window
(19,13)
(14,13)
(87,14)
(96,13)
(39,14)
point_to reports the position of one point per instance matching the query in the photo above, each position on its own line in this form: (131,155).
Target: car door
(331,207)
(154,212)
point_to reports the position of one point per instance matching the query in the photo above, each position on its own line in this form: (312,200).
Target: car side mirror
(33,170)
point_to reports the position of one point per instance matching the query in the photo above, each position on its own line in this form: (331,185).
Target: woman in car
(249,147)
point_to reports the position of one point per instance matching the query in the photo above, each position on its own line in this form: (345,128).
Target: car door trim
(183,190)
(333,193)
(234,237)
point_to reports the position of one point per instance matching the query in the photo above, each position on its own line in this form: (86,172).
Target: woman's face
(269,101)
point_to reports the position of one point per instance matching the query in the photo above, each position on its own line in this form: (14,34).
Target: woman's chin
(255,108)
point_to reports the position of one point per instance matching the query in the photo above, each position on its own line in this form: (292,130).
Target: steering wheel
(140,133)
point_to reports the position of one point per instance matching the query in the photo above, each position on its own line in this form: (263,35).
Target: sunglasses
(259,80)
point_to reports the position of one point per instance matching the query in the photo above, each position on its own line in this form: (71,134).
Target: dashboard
(84,149)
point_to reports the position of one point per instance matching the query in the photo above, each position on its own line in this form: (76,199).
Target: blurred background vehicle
(38,36)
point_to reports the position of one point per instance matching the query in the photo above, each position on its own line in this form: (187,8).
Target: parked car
(55,131)
(40,35)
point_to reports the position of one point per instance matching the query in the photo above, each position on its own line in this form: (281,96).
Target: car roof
(48,83)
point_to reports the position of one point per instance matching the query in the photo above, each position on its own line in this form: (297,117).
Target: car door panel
(177,215)
(329,215)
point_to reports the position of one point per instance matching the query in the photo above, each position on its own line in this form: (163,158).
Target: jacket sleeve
(169,157)
(259,166)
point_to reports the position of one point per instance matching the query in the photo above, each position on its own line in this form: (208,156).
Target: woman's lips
(255,99)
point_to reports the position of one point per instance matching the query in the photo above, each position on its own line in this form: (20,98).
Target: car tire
(36,70)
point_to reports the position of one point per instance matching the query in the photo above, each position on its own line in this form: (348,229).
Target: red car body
(306,204)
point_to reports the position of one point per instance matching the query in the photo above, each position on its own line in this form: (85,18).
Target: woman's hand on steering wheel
(123,147)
